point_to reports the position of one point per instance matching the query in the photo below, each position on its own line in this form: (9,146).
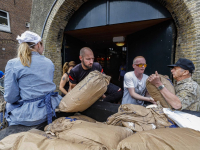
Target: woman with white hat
(29,87)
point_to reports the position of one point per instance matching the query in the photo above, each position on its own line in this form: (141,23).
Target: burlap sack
(161,120)
(155,93)
(131,113)
(162,139)
(38,140)
(78,116)
(98,134)
(139,118)
(85,93)
(138,126)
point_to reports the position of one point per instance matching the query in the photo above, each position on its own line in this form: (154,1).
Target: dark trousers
(114,97)
(122,82)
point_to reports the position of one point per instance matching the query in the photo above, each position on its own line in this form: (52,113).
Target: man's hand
(103,96)
(152,100)
(155,79)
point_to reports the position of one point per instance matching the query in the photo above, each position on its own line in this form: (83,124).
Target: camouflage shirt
(188,91)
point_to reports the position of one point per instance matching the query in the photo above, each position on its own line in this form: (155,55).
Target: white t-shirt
(131,81)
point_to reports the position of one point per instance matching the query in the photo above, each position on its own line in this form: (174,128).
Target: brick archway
(184,13)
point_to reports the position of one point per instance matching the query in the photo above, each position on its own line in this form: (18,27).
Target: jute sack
(85,93)
(131,113)
(162,139)
(78,116)
(139,118)
(39,140)
(155,93)
(79,131)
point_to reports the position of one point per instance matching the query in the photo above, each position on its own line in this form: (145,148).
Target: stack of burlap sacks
(81,132)
(139,118)
(68,133)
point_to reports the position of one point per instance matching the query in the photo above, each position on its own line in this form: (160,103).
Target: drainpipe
(47,18)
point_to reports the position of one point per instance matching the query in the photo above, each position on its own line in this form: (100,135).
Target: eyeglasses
(141,65)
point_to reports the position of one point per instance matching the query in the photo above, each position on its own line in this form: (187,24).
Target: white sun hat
(29,36)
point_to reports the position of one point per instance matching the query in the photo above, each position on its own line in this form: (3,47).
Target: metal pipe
(107,12)
(47,18)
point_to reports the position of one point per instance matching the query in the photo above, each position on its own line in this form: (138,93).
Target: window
(4,21)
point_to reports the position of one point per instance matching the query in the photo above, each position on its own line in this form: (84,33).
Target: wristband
(161,87)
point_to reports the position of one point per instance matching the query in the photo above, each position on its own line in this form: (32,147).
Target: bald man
(80,71)
(135,84)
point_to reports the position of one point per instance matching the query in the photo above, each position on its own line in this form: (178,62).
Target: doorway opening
(145,38)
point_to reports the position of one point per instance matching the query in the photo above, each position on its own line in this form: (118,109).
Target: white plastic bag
(182,119)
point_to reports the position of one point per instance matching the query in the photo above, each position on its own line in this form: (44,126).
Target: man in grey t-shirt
(135,84)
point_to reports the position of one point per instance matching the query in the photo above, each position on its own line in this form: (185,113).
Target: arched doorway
(183,13)
(145,28)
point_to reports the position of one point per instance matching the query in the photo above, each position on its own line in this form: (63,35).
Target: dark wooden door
(156,44)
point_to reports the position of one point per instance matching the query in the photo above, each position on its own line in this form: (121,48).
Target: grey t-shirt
(131,81)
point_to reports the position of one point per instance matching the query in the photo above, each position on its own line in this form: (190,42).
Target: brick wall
(186,16)
(19,13)
(184,12)
(39,12)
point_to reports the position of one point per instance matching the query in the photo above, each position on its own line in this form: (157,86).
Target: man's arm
(172,99)
(139,97)
(129,84)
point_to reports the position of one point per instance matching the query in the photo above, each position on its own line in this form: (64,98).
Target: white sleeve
(128,81)
(146,77)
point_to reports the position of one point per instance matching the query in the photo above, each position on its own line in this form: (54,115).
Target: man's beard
(88,67)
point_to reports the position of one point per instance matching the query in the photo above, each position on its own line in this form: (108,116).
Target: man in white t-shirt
(135,84)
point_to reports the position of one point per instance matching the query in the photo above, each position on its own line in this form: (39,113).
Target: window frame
(5,28)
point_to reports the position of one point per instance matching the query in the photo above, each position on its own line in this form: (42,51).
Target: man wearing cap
(187,91)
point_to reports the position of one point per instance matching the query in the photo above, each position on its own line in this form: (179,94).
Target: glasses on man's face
(141,65)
